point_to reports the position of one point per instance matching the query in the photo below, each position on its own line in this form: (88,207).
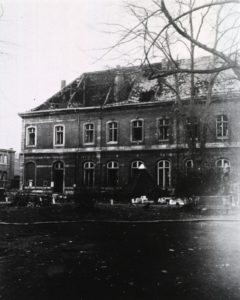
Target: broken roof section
(132,84)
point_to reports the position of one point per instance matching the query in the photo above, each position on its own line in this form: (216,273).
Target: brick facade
(66,143)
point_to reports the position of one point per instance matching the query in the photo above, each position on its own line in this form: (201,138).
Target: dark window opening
(163,129)
(192,128)
(31,139)
(89,174)
(89,133)
(112,174)
(146,96)
(137,130)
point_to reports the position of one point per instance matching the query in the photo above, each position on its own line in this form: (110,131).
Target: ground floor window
(112,173)
(188,166)
(135,166)
(164,173)
(223,166)
(89,174)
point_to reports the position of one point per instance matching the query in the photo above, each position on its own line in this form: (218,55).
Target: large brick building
(96,132)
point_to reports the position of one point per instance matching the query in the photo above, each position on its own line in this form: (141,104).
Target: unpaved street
(192,260)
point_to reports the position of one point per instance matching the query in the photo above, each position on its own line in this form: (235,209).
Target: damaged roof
(132,85)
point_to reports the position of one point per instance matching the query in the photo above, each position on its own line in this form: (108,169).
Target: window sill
(137,142)
(164,141)
(222,138)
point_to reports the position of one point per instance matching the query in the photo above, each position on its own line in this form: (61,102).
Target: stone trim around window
(29,142)
(55,142)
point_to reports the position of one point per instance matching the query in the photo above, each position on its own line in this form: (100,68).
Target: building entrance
(58,176)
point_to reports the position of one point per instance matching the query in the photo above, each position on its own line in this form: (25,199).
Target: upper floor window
(163,129)
(192,128)
(59,135)
(89,173)
(222,126)
(112,132)
(31,133)
(137,130)
(89,133)
(5,159)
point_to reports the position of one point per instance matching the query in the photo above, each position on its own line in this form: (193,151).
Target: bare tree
(177,29)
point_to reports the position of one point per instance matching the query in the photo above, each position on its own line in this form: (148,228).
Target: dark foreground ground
(98,260)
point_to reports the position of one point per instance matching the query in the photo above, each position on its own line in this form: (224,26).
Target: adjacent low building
(98,131)
(7,165)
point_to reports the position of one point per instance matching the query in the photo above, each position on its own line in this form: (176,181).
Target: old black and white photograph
(120,149)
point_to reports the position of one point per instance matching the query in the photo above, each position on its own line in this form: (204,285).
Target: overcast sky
(43,42)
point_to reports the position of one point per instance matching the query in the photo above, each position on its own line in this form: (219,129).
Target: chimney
(63,84)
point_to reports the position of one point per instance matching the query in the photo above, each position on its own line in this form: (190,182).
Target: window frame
(188,168)
(132,128)
(112,168)
(27,136)
(164,125)
(163,185)
(93,168)
(108,132)
(189,123)
(54,135)
(84,133)
(221,124)
(138,164)
(223,160)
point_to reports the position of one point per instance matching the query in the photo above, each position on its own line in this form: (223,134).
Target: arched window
(188,166)
(164,173)
(58,165)
(135,166)
(89,173)
(30,174)
(223,164)
(112,173)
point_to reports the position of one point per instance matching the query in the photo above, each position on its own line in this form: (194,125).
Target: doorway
(58,176)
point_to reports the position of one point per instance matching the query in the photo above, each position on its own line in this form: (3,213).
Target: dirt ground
(120,261)
(119,252)
(125,212)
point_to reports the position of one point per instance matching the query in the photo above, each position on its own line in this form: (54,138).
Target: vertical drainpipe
(21,157)
(76,177)
(99,149)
